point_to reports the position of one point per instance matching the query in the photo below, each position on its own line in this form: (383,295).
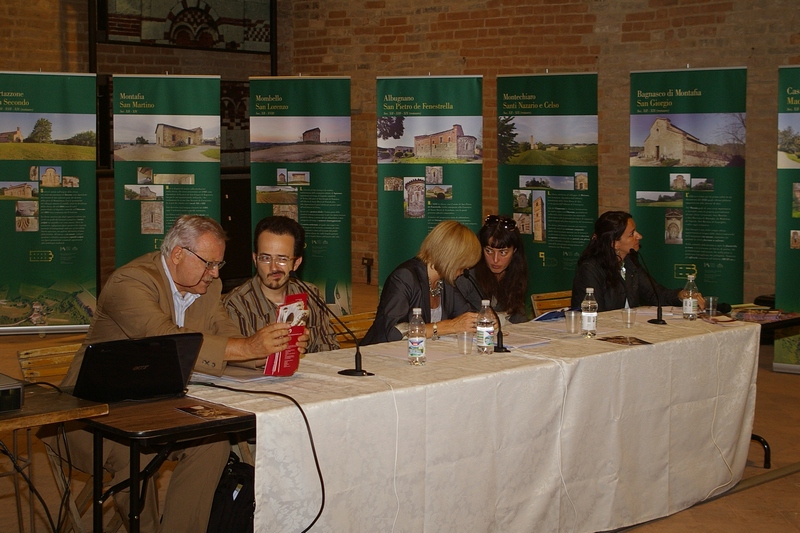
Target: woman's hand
(466,322)
(701,302)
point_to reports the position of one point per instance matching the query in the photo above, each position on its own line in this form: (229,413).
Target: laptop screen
(138,369)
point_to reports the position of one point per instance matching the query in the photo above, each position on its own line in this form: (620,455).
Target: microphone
(357,371)
(498,346)
(659,312)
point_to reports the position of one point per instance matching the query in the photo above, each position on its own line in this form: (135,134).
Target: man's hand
(270,339)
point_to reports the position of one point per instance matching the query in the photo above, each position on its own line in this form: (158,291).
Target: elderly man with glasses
(174,290)
(278,245)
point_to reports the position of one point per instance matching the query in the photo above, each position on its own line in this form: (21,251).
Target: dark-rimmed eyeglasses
(503,222)
(277,260)
(210,265)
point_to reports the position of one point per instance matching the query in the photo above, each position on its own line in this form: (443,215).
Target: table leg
(765,444)
(134,511)
(97,483)
(30,477)
(15,479)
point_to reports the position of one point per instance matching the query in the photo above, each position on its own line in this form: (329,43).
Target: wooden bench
(358,323)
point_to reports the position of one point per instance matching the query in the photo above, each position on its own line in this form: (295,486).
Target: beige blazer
(136,302)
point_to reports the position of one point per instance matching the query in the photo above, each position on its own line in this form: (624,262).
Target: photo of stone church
(168,135)
(448,144)
(688,140)
(667,141)
(434,140)
(150,138)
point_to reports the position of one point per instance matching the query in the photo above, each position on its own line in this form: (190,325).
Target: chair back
(550,301)
(358,323)
(47,364)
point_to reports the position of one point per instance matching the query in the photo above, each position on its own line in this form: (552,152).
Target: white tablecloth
(573,435)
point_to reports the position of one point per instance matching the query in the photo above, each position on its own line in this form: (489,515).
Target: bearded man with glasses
(278,245)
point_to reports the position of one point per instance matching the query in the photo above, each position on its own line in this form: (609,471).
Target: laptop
(138,369)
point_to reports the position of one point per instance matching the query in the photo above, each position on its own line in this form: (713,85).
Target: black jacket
(635,287)
(407,288)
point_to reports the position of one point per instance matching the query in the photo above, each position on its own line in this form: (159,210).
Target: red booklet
(294,311)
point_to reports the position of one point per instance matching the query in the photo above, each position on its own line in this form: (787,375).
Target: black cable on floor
(4,451)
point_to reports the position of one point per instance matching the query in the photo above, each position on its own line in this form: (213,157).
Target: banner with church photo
(547,169)
(48,197)
(300,168)
(430,160)
(166,157)
(687,163)
(787,227)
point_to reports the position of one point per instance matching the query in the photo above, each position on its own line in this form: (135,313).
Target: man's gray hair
(188,229)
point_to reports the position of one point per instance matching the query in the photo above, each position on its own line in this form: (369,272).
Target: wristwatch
(435,336)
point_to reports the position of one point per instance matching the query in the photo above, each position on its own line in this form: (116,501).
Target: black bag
(234,500)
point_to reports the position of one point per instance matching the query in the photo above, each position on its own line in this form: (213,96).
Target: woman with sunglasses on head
(501,275)
(427,281)
(608,264)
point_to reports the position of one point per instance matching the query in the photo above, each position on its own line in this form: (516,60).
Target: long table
(571,435)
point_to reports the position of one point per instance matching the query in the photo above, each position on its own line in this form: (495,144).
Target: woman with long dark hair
(501,275)
(608,265)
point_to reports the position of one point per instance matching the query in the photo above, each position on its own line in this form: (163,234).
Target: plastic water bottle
(416,338)
(485,337)
(690,306)
(589,314)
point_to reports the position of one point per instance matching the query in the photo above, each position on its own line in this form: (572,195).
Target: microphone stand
(659,313)
(357,371)
(498,346)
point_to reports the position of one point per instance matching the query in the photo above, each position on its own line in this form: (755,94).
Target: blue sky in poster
(565,129)
(65,125)
(290,129)
(710,128)
(789,119)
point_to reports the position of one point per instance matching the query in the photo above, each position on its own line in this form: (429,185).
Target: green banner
(48,197)
(300,168)
(787,229)
(166,156)
(547,169)
(430,160)
(687,150)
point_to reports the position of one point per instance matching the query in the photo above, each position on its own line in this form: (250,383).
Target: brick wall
(366,39)
(369,38)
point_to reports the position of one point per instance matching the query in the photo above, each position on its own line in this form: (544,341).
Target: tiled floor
(771,507)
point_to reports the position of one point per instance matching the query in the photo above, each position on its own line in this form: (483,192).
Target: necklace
(436,289)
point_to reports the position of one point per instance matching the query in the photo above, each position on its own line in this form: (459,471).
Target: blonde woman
(427,281)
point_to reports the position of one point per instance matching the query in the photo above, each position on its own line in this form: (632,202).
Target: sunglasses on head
(504,222)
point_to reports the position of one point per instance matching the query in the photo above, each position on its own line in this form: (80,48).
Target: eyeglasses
(504,222)
(278,260)
(210,265)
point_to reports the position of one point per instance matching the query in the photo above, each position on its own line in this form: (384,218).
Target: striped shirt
(251,310)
